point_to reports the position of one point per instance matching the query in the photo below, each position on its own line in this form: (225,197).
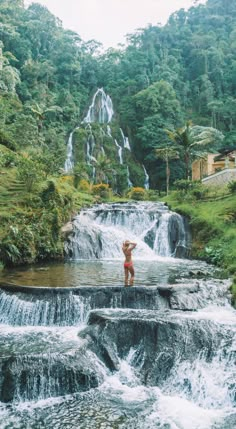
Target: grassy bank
(213,226)
(31,220)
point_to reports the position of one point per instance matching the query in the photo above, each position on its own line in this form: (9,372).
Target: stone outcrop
(57,369)
(159,340)
(67,229)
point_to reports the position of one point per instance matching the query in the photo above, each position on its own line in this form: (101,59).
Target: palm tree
(166,153)
(191,139)
(41,113)
(103,166)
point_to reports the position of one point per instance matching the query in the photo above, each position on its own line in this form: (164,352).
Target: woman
(127,248)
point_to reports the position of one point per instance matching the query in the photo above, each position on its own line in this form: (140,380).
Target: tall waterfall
(101,111)
(125,140)
(146,181)
(98,136)
(119,152)
(69,164)
(129,183)
(101,108)
(99,231)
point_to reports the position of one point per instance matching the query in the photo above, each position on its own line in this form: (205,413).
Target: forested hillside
(166,77)
(185,70)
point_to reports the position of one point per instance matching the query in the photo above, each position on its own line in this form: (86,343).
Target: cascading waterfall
(99,231)
(119,152)
(101,111)
(125,141)
(101,108)
(129,183)
(69,164)
(146,181)
(108,356)
(90,144)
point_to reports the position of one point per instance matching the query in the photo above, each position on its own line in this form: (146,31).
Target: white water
(129,183)
(125,141)
(69,164)
(101,108)
(47,333)
(146,181)
(199,394)
(101,111)
(100,231)
(119,152)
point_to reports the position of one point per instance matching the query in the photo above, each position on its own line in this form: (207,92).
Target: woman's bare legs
(131,270)
(126,276)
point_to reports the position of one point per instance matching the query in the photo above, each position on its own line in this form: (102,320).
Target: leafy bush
(186,185)
(84,185)
(7,141)
(80,172)
(153,195)
(199,191)
(8,159)
(9,253)
(50,195)
(102,190)
(190,189)
(232,187)
(214,255)
(137,194)
(17,246)
(29,172)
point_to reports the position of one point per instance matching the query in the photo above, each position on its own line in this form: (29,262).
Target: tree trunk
(167,176)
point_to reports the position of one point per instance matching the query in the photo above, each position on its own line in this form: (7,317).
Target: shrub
(102,190)
(187,185)
(67,180)
(84,185)
(137,194)
(7,141)
(214,255)
(50,195)
(232,187)
(199,191)
(29,172)
(153,195)
(9,253)
(8,159)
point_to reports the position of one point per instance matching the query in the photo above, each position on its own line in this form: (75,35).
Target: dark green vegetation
(165,77)
(166,86)
(212,216)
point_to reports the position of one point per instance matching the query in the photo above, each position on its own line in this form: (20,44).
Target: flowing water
(80,350)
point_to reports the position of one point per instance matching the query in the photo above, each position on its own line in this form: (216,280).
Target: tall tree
(166,153)
(191,140)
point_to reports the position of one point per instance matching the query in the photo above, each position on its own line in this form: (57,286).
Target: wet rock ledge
(177,296)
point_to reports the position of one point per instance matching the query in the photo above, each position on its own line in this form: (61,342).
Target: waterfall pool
(161,270)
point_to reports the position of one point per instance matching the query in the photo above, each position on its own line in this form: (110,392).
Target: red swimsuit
(128,264)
